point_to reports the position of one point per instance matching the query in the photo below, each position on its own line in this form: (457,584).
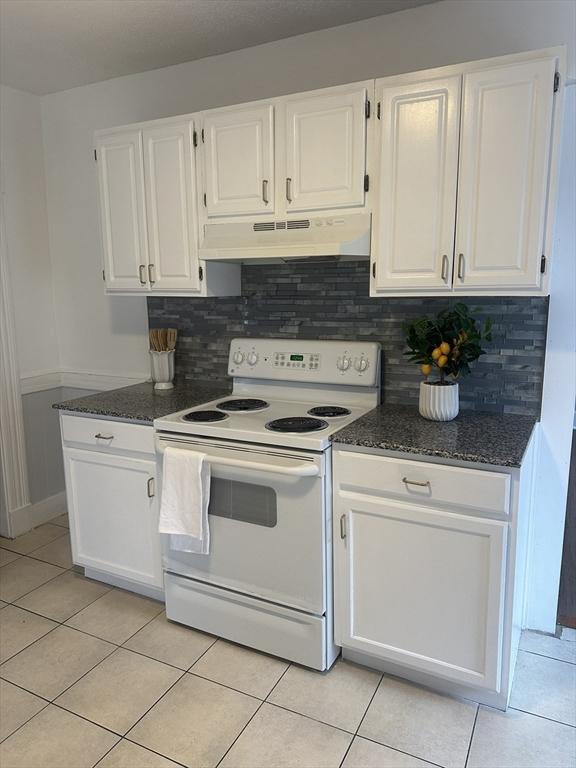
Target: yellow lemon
(445,348)
(436,353)
(441,362)
(426,369)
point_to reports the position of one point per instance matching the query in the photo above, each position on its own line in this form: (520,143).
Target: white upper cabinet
(504,163)
(417,149)
(239,160)
(325,148)
(122,210)
(169,167)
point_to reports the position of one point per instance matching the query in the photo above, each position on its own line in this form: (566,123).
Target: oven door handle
(298,470)
(303,469)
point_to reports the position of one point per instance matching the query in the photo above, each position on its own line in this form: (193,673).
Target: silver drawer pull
(289,190)
(415,482)
(343,527)
(104,437)
(265,191)
(150,488)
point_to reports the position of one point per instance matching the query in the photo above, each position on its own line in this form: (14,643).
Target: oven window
(245,502)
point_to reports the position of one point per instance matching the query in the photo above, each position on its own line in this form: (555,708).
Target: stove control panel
(314,361)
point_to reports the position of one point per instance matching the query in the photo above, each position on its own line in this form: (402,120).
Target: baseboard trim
(156,593)
(24,519)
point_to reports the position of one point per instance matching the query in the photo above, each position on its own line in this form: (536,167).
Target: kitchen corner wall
(329,300)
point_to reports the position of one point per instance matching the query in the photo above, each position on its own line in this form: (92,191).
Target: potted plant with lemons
(445,344)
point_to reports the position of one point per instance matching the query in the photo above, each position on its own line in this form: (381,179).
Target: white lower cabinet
(422,586)
(113,511)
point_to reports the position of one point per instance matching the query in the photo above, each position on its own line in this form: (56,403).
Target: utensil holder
(162,365)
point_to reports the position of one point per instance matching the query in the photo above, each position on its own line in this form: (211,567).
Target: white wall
(107,334)
(552,470)
(26,227)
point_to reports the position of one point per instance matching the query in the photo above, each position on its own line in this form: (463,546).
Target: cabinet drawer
(106,435)
(421,482)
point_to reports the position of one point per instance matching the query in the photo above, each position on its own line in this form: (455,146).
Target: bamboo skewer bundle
(163,339)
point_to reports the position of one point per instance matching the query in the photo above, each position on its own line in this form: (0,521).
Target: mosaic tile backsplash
(329,300)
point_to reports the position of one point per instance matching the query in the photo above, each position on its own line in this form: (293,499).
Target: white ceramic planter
(162,369)
(439,402)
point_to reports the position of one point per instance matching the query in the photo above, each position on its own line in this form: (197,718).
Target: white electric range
(267,581)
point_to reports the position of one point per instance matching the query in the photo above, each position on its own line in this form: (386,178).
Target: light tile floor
(95,676)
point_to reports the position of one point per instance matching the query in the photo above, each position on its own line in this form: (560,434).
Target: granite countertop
(141,402)
(484,438)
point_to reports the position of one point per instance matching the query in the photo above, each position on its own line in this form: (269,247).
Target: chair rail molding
(13,465)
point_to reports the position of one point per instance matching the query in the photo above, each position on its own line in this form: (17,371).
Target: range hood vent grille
(340,236)
(271,226)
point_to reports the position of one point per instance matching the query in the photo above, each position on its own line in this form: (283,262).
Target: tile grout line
(135,743)
(46,704)
(362,718)
(542,717)
(472,736)
(262,702)
(544,656)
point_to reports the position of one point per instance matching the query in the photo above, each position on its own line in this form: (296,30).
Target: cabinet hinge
(202,135)
(366,182)
(374,269)
(543,264)
(556,81)
(195,139)
(204,199)
(201,273)
(103,275)
(378,111)
(367,109)
(95,155)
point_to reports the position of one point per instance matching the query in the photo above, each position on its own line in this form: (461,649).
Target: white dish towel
(185,497)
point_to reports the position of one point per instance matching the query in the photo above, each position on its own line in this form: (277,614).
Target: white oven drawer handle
(299,470)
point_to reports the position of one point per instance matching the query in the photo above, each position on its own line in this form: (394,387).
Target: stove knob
(238,357)
(343,363)
(252,358)
(361,364)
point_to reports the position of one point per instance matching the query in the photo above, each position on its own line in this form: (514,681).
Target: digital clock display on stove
(297,358)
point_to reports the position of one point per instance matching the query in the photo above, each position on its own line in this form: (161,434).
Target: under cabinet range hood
(346,237)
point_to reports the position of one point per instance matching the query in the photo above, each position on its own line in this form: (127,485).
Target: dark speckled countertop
(141,402)
(485,438)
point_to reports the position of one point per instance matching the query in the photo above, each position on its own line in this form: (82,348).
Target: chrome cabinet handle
(343,527)
(461,266)
(150,488)
(151,277)
(415,482)
(265,191)
(142,271)
(289,190)
(445,268)
(104,437)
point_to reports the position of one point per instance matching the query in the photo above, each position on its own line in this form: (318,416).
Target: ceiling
(52,45)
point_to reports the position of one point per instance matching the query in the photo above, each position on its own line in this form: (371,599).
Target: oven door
(268,525)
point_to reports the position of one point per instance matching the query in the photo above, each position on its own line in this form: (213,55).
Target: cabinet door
(502,185)
(415,212)
(422,588)
(170,173)
(122,210)
(239,161)
(325,146)
(113,519)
